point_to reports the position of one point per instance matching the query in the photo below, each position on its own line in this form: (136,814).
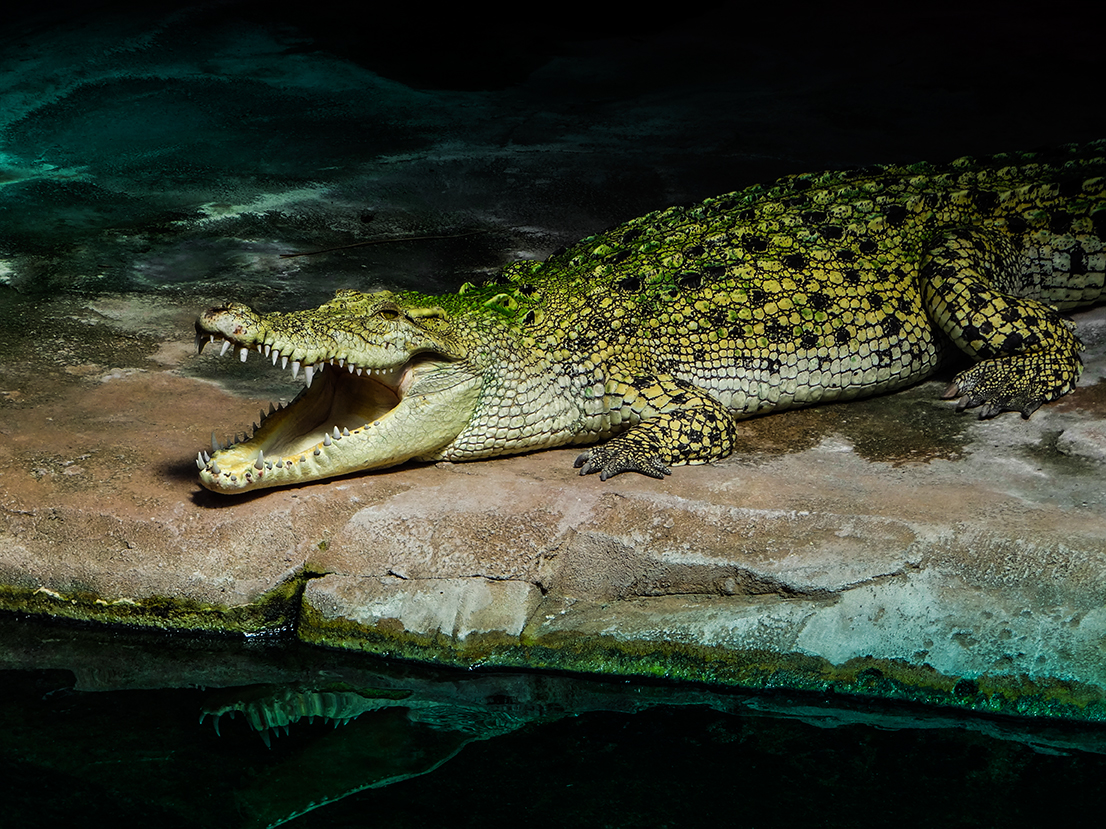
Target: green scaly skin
(655,338)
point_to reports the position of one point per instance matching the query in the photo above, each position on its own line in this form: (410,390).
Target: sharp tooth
(342,362)
(263,416)
(337,434)
(260,462)
(326,441)
(268,348)
(284,362)
(318,451)
(321,365)
(225,348)
(215,470)
(358,372)
(242,354)
(345,433)
(276,356)
(268,464)
(308,374)
(207,457)
(295,369)
(272,408)
(215,445)
(350,367)
(200,460)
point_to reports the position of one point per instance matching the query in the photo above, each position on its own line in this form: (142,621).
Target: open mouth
(340,402)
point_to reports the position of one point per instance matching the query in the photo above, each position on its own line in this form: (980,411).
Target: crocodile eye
(389,311)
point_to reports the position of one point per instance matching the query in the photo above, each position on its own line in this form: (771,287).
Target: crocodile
(651,341)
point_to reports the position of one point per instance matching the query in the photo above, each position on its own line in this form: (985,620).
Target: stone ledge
(888,547)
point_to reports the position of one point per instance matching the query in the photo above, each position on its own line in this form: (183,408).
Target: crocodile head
(386,381)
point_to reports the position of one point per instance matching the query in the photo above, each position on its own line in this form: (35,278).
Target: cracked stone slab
(889,547)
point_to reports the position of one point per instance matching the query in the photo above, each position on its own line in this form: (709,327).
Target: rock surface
(155,161)
(889,547)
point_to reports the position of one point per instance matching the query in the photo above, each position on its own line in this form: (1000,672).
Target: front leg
(680,424)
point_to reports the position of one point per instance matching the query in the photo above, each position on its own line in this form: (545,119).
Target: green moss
(272,611)
(761,669)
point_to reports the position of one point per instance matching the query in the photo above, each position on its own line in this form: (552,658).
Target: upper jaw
(374,336)
(297,358)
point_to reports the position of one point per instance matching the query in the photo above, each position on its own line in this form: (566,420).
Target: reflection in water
(102,726)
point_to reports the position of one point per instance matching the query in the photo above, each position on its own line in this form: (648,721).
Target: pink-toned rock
(890,547)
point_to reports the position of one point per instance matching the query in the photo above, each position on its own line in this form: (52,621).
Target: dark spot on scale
(529,318)
(630,283)
(846,255)
(747,215)
(694,250)
(757,297)
(819,301)
(1013,344)
(756,244)
(1078,260)
(800,184)
(528,289)
(831,232)
(851,276)
(1060,222)
(985,200)
(689,280)
(892,326)
(813,218)
(1069,187)
(809,340)
(795,201)
(842,336)
(630,235)
(1016,224)
(867,246)
(715,271)
(498,279)
(895,215)
(795,261)
(777,332)
(620,256)
(1098,222)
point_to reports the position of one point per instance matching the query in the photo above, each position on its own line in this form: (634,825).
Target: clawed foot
(610,460)
(1012,384)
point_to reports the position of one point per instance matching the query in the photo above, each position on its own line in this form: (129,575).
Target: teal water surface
(107,728)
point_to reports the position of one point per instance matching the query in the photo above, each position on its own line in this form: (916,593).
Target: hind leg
(1028,354)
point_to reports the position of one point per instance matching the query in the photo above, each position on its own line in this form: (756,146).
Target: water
(105,728)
